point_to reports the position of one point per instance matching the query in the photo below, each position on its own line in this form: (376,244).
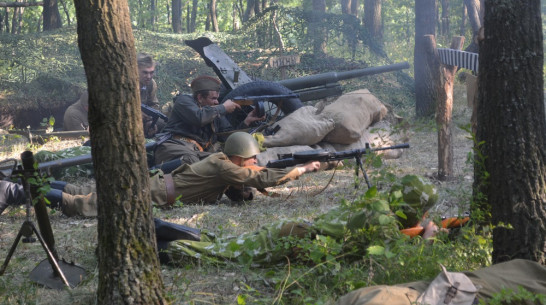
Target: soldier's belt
(192,141)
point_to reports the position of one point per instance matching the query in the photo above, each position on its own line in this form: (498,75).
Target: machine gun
(322,155)
(154,113)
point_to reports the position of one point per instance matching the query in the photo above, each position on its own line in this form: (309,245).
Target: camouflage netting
(84,170)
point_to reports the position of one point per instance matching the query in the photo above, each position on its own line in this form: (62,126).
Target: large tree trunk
(425,24)
(511,124)
(129,270)
(51,15)
(372,18)
(177,16)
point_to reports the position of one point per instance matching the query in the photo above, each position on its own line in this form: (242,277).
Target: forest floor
(196,283)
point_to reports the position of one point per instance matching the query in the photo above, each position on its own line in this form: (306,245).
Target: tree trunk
(463,21)
(444,115)
(207,21)
(512,126)
(318,32)
(473,8)
(152,13)
(14,21)
(445,17)
(234,16)
(249,11)
(177,16)
(213,16)
(345,6)
(51,15)
(191,28)
(372,18)
(129,270)
(66,12)
(425,24)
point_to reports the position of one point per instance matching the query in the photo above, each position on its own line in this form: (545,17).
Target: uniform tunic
(75,117)
(189,120)
(204,181)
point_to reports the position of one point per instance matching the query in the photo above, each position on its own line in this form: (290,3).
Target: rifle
(258,101)
(154,113)
(323,155)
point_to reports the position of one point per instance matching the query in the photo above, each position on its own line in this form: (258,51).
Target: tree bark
(52,17)
(213,16)
(512,126)
(129,270)
(152,13)
(425,24)
(473,8)
(445,18)
(462,27)
(372,18)
(177,16)
(316,28)
(193,19)
(444,115)
(249,11)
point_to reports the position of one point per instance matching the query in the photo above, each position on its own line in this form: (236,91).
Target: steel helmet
(241,144)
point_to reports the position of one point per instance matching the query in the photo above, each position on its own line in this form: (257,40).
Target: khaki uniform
(75,117)
(204,181)
(527,274)
(148,97)
(193,130)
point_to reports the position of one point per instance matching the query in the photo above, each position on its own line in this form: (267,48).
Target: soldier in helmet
(204,181)
(195,121)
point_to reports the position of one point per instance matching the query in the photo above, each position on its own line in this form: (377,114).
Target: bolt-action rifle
(322,155)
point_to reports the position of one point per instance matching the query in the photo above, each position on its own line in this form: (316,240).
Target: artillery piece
(237,83)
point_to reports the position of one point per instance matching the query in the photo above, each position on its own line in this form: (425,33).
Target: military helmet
(418,195)
(241,144)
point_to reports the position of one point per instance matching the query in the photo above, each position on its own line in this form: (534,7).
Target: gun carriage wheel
(274,110)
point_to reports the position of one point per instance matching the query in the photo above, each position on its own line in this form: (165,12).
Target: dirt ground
(76,238)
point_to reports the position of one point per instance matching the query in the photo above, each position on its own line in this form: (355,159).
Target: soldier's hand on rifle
(252,117)
(311,166)
(230,106)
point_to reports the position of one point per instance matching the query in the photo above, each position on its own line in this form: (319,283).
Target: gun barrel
(332,77)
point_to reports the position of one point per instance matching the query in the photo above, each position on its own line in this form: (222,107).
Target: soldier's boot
(168,231)
(73,205)
(11,194)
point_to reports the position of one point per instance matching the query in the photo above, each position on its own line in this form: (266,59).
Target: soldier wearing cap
(195,121)
(75,116)
(205,181)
